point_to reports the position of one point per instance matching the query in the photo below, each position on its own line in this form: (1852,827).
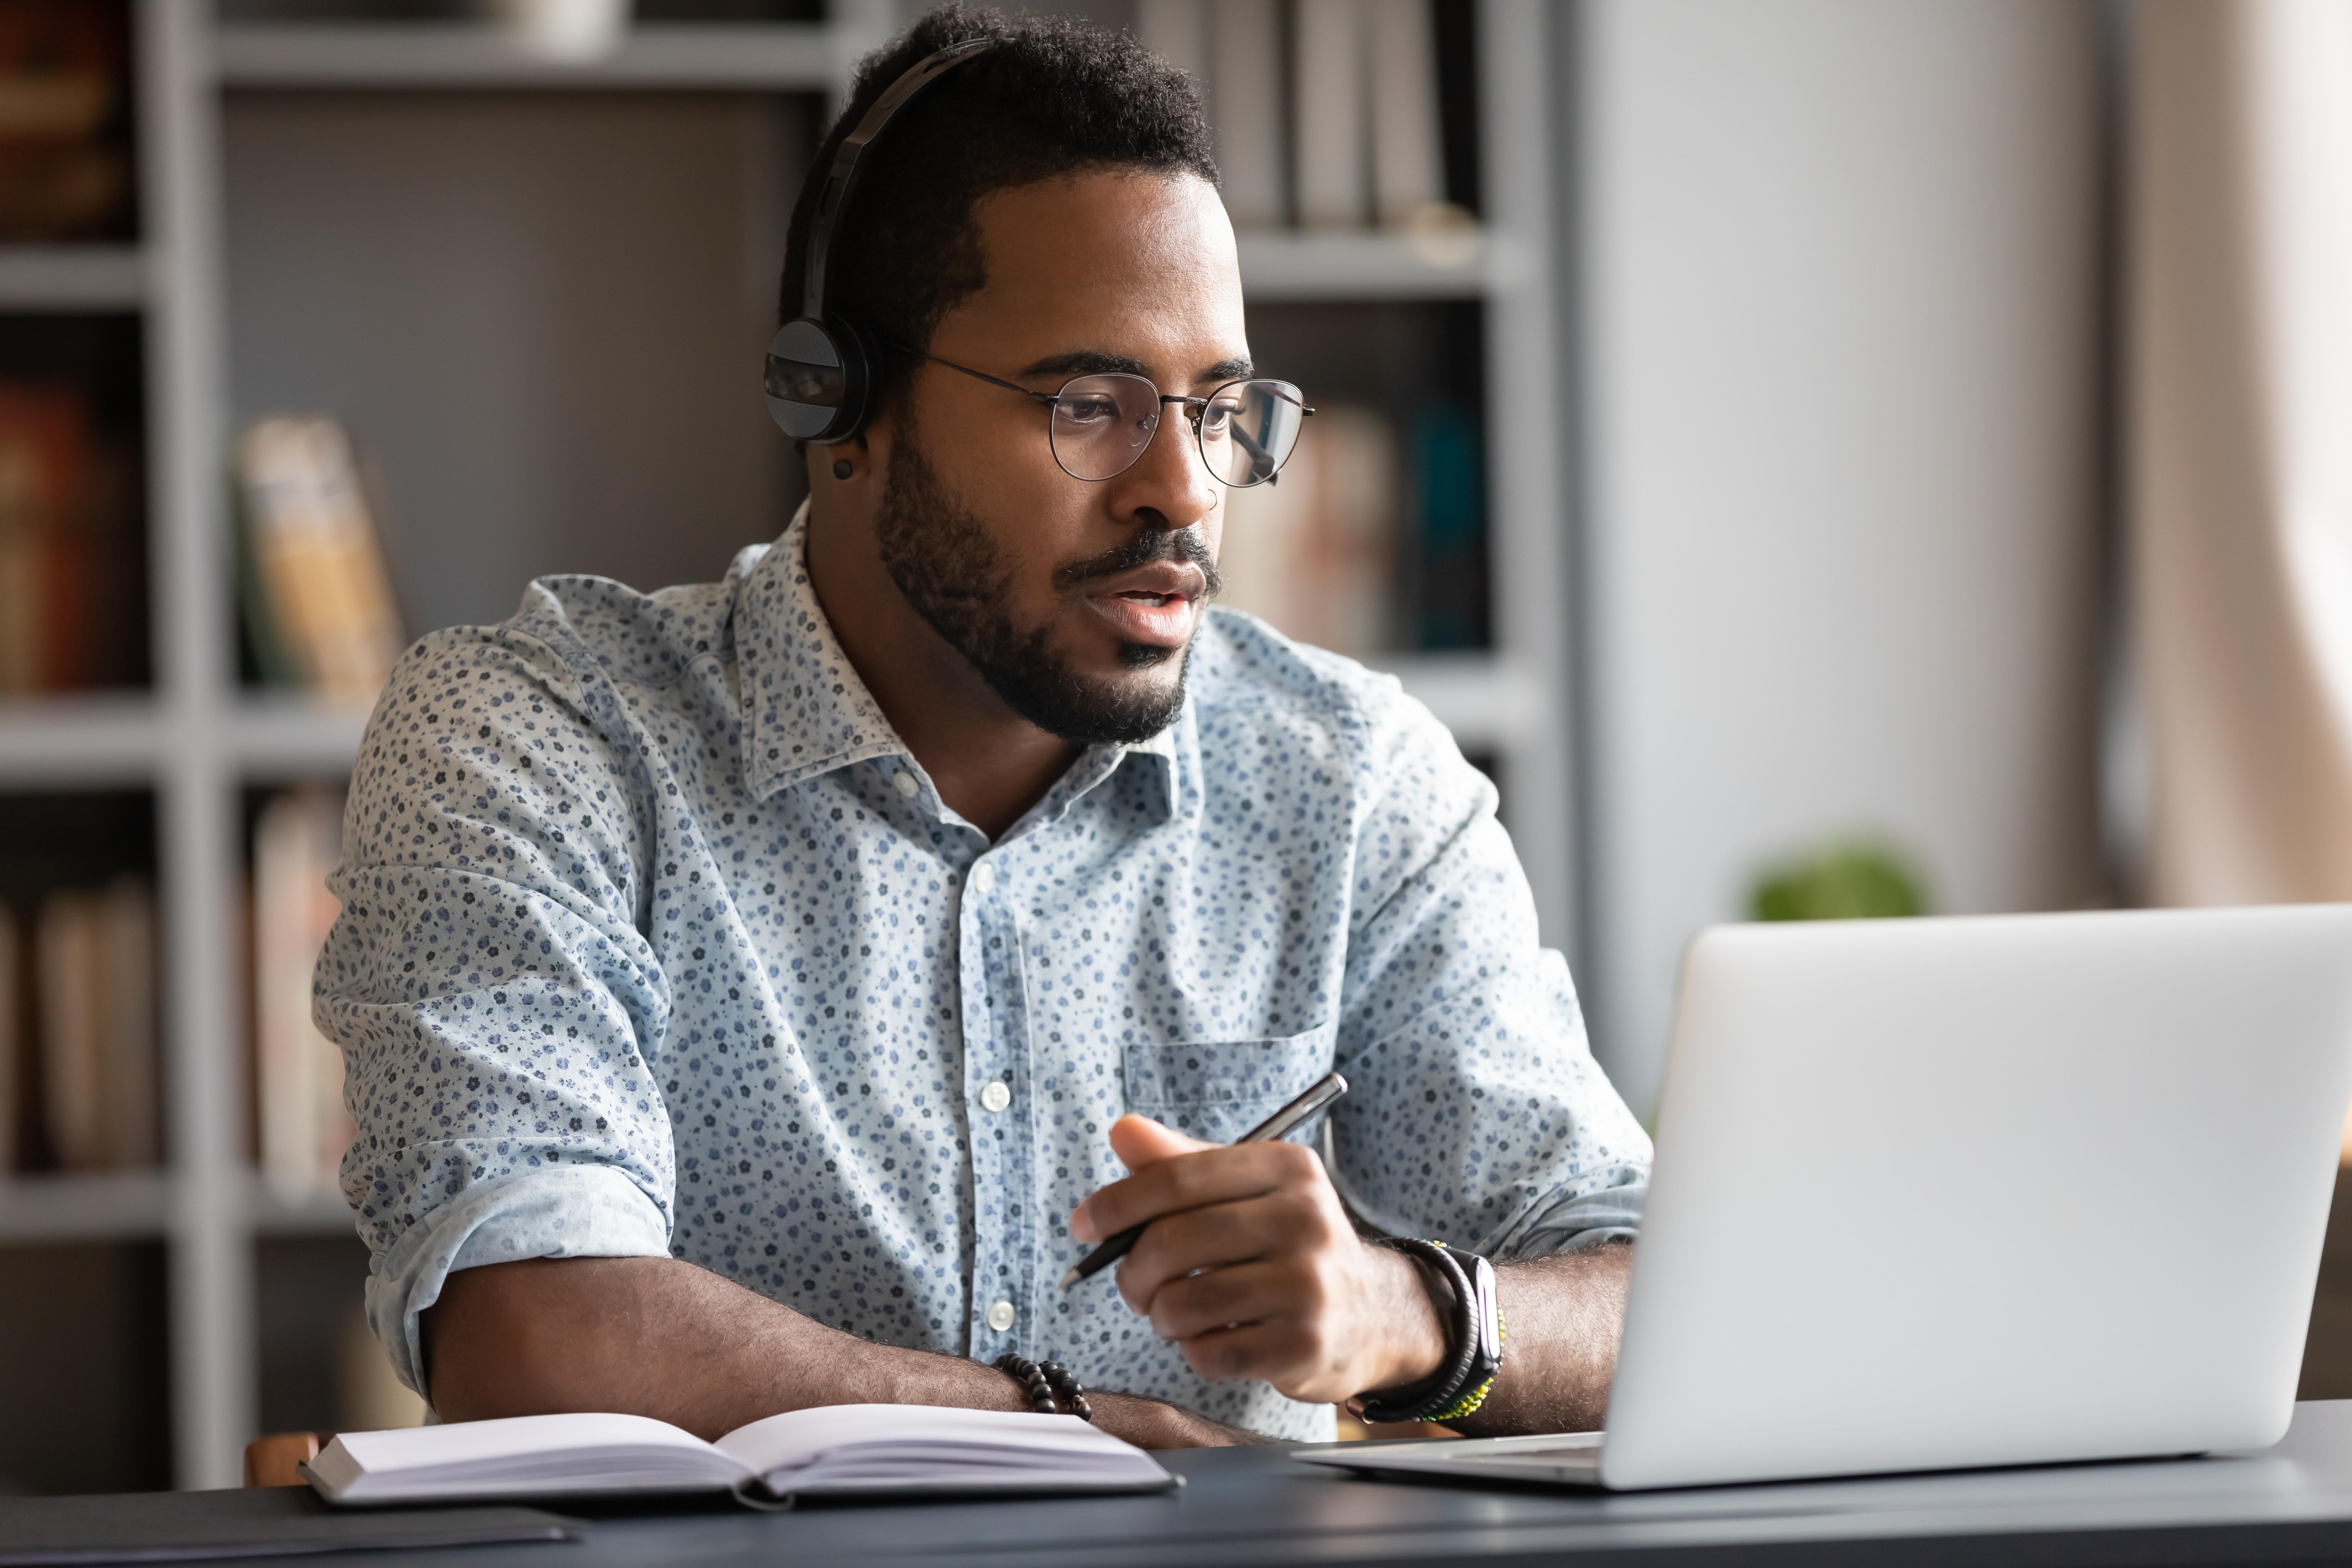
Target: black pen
(1325,1089)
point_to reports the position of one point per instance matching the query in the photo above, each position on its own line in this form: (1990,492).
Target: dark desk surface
(1241,1506)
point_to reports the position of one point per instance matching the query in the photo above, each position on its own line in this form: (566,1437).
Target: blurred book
(305,1129)
(1445,545)
(1354,136)
(1334,138)
(1313,553)
(1408,152)
(1245,94)
(72,589)
(65,91)
(94,979)
(316,594)
(12,1011)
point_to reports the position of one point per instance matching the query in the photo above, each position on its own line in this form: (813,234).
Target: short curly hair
(1055,96)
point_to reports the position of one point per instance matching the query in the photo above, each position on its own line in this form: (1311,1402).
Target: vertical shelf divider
(1528,512)
(213,1396)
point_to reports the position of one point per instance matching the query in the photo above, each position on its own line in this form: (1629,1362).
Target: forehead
(1132,262)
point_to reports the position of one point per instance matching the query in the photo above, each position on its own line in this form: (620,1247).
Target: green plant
(1852,880)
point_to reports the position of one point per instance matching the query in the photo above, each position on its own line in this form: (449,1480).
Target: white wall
(1839,324)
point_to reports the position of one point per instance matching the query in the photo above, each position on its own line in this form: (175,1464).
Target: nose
(1170,487)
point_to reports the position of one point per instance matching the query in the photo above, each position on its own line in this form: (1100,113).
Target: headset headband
(843,178)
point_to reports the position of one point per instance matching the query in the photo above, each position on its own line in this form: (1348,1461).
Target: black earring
(841,470)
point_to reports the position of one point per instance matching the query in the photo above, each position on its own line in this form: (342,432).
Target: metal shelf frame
(198,739)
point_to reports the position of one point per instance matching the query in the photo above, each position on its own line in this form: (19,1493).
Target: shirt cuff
(1572,1224)
(587,1211)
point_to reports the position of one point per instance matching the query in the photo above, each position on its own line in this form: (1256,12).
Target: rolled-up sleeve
(1476,1113)
(498,1008)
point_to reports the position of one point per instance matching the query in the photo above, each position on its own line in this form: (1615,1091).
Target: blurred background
(1821,457)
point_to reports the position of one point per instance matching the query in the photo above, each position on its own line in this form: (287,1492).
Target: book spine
(305,1128)
(48,561)
(317,557)
(281,995)
(12,1010)
(1246,106)
(70,978)
(1407,147)
(132,1110)
(22,533)
(1332,138)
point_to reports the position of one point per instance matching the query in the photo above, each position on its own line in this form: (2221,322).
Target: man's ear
(849,462)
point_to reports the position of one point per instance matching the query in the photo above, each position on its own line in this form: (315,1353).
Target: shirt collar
(806,711)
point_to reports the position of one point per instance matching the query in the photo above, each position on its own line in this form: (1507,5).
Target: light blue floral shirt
(656,942)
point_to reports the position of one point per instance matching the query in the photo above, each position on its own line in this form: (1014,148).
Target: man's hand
(1251,1267)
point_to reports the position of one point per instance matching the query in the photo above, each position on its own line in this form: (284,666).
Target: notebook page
(912,1443)
(482,1455)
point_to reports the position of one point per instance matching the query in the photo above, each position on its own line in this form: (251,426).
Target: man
(748,988)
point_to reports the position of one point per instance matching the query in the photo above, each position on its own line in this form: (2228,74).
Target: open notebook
(835,1450)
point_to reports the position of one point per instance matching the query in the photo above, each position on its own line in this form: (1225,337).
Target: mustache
(1184,546)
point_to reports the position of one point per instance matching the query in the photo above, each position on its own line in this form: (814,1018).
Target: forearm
(653,1336)
(1562,1319)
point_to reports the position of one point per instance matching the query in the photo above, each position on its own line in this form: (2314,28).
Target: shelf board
(776,56)
(285,733)
(1280,266)
(319,1212)
(120,1206)
(105,738)
(1487,703)
(117,737)
(72,277)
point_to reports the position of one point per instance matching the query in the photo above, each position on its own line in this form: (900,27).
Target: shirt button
(1000,1316)
(905,785)
(984,876)
(995,1096)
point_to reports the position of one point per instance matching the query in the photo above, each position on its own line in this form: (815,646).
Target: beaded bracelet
(1052,1389)
(1469,1403)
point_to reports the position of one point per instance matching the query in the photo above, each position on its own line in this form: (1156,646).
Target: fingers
(1260,1292)
(1218,1237)
(1294,1354)
(1139,1142)
(1190,1181)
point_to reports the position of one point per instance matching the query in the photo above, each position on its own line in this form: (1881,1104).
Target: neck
(989,765)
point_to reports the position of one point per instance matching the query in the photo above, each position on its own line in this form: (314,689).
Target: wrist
(1154,1424)
(1414,1347)
(1473,1336)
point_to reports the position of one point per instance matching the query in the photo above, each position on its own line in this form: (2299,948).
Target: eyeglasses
(1101,425)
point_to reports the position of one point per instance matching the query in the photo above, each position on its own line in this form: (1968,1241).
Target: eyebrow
(1096,362)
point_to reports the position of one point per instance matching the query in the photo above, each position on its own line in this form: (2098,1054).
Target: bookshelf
(198,739)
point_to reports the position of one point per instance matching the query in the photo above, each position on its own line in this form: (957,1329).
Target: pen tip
(1070,1277)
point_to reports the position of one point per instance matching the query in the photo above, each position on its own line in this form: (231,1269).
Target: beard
(943,560)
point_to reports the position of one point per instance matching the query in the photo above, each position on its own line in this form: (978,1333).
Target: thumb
(1139,1142)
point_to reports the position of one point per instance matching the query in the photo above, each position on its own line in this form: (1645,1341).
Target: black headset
(820,380)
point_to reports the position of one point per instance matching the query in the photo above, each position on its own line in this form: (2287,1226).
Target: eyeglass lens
(1102,423)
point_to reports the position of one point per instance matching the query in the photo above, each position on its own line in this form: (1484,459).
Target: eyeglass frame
(1193,407)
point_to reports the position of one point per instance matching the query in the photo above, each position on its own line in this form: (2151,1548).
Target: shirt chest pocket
(1219,1089)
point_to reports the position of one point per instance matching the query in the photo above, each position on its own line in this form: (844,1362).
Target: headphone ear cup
(818,379)
(860,360)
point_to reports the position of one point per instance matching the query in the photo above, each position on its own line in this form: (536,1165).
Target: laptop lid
(1944,1193)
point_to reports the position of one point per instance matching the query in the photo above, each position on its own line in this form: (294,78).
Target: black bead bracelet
(1050,1389)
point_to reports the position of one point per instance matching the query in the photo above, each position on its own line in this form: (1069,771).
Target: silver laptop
(1942,1193)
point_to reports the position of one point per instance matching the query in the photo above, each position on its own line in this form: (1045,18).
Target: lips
(1157,605)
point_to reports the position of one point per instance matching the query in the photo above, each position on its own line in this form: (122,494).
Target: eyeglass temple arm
(1047,398)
